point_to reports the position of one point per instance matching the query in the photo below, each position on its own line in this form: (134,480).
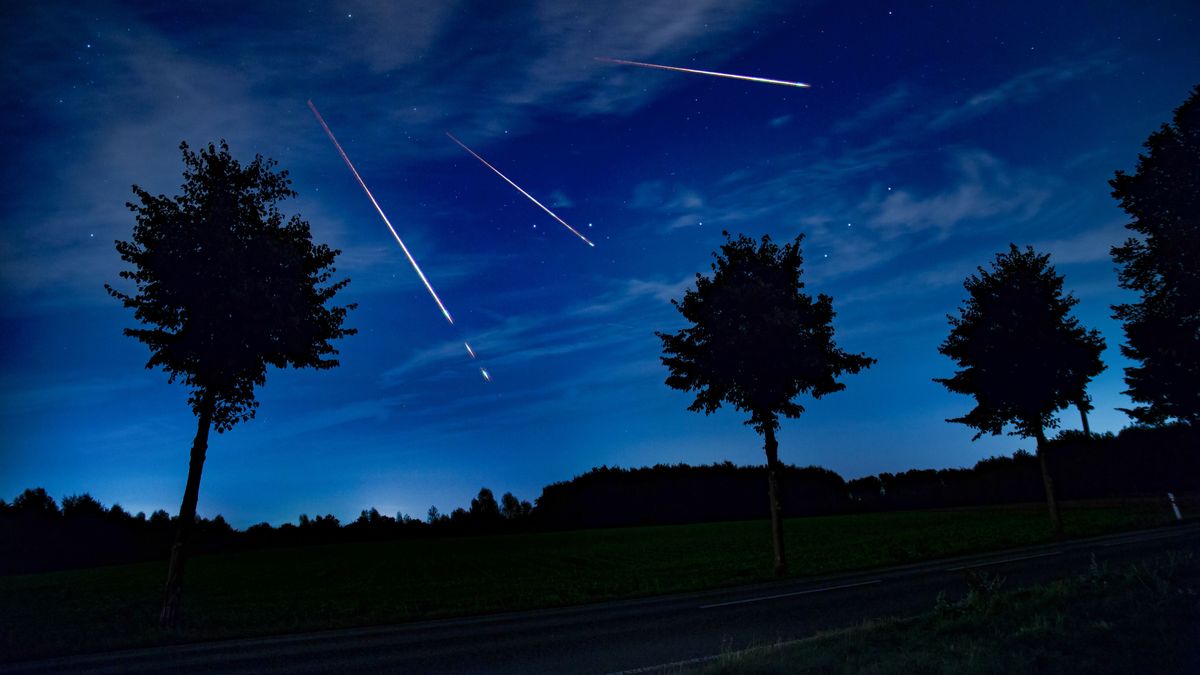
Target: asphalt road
(635,635)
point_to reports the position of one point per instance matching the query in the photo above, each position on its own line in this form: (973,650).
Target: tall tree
(225,288)
(1020,352)
(1162,329)
(757,341)
(485,512)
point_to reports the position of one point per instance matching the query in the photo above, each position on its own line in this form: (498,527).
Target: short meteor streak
(387,222)
(469,350)
(485,375)
(731,76)
(531,198)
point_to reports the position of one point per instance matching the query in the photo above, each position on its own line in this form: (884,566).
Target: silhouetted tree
(485,512)
(510,507)
(77,506)
(433,516)
(1162,329)
(757,341)
(226,289)
(1020,352)
(35,501)
(118,512)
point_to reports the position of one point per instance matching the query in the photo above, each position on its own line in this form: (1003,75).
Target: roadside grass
(1136,619)
(342,585)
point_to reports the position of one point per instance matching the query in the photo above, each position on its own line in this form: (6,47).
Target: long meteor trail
(518,187)
(731,76)
(387,222)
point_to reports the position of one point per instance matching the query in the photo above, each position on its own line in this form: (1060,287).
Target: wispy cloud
(1022,88)
(985,188)
(559,199)
(1086,246)
(22,394)
(887,104)
(677,205)
(581,328)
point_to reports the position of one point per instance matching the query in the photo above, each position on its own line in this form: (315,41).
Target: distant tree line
(1137,461)
(679,493)
(38,534)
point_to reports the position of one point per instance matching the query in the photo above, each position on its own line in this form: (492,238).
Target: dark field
(312,588)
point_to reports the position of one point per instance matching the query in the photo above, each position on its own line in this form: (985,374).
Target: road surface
(641,635)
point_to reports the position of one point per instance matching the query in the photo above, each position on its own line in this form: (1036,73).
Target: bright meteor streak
(469,350)
(387,222)
(531,198)
(731,76)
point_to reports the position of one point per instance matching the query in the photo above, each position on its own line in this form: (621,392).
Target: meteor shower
(622,337)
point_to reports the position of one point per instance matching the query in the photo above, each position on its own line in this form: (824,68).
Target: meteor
(485,375)
(387,222)
(552,214)
(731,76)
(469,350)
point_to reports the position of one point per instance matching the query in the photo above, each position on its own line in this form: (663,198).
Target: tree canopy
(1162,329)
(1021,354)
(756,341)
(224,286)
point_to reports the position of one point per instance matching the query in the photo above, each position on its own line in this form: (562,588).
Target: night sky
(933,135)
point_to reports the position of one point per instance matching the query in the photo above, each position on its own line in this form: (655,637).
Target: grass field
(1136,619)
(286,590)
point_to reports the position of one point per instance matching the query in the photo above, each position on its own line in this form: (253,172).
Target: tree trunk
(772,448)
(1048,483)
(187,516)
(1087,430)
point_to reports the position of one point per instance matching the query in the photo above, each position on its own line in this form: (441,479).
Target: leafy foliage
(756,340)
(1162,329)
(1020,352)
(225,287)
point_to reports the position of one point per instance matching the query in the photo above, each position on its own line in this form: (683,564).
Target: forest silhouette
(1145,462)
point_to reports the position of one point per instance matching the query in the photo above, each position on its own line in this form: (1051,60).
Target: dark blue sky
(933,136)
